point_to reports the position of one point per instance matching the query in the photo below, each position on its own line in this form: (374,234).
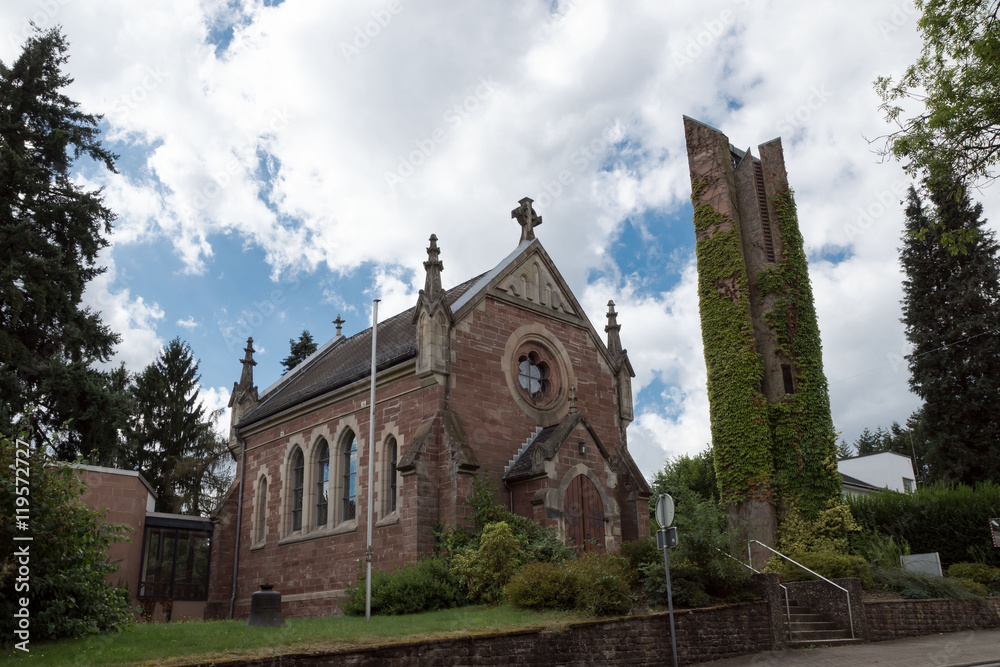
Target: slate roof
(522,466)
(347,360)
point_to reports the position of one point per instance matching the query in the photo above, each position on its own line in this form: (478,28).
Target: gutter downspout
(239,521)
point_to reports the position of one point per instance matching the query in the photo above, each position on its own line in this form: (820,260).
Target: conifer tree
(951,309)
(172,441)
(51,230)
(301,349)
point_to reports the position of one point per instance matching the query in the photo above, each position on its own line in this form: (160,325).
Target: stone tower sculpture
(772,433)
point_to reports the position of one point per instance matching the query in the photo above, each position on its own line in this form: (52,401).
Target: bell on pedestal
(265,608)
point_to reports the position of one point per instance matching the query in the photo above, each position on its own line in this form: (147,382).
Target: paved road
(959,649)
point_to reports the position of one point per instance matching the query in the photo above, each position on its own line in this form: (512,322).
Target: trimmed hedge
(426,586)
(952,520)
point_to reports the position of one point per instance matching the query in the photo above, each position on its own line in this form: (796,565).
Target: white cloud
(188,323)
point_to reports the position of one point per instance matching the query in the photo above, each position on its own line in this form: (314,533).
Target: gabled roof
(346,361)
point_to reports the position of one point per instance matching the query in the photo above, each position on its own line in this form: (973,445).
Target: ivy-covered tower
(772,433)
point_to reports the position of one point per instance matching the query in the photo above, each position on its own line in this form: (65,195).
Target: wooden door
(583,513)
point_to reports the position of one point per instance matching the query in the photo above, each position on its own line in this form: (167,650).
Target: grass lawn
(172,643)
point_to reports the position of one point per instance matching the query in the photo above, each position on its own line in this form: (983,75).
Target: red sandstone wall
(124,496)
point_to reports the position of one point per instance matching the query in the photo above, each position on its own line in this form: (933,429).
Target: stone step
(807,618)
(814,625)
(815,636)
(802,643)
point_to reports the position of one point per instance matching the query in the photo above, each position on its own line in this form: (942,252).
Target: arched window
(261,510)
(322,484)
(350,454)
(298,479)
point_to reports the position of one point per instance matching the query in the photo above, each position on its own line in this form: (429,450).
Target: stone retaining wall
(912,618)
(702,634)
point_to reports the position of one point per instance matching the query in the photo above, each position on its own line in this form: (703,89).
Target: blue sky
(283,163)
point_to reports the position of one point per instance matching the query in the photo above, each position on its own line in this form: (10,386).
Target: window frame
(322,484)
(296,507)
(349,477)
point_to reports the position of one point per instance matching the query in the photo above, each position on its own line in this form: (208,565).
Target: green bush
(914,594)
(878,549)
(596,583)
(544,586)
(900,581)
(828,564)
(485,570)
(978,572)
(604,583)
(973,587)
(427,585)
(951,520)
(69,596)
(641,552)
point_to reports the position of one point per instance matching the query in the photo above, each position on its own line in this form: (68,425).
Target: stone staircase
(807,628)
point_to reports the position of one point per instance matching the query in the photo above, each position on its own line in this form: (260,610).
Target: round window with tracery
(533,376)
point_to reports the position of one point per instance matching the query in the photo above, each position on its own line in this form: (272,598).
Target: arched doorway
(583,513)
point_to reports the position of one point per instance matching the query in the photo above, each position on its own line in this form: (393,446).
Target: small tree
(172,441)
(68,594)
(301,349)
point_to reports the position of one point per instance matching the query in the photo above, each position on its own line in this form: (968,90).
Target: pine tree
(172,441)
(844,450)
(951,309)
(51,231)
(300,349)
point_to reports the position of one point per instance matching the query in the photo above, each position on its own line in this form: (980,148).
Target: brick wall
(912,618)
(702,634)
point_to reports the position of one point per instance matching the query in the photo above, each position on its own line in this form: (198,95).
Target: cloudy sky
(283,163)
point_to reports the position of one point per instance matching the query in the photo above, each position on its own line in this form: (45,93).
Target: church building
(502,376)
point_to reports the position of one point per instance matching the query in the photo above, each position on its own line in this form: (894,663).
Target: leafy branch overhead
(956,80)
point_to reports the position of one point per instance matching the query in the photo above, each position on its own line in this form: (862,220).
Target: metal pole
(371,467)
(670,604)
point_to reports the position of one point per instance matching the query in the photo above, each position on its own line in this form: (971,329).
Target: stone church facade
(502,375)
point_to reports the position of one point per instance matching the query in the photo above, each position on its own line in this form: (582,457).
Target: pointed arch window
(298,479)
(322,484)
(350,467)
(261,510)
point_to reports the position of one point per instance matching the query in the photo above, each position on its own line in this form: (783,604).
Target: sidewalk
(959,649)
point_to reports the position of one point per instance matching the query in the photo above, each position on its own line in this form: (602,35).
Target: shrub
(69,596)
(485,570)
(973,587)
(604,583)
(829,565)
(948,519)
(914,594)
(978,572)
(641,552)
(829,531)
(544,586)
(878,549)
(900,581)
(425,586)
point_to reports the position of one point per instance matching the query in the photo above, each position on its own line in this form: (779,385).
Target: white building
(886,470)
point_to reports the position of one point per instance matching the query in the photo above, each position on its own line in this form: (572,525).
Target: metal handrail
(788,608)
(850,616)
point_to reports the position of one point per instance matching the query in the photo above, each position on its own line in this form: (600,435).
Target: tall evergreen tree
(51,231)
(951,309)
(300,349)
(172,441)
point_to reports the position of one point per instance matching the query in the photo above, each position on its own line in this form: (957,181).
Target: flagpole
(371,467)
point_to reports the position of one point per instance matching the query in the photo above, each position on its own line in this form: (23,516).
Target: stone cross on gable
(527,218)
(340,323)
